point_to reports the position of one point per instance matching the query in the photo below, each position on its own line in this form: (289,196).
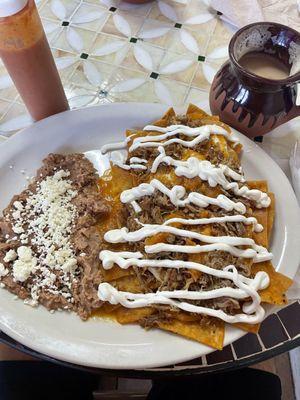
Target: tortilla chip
(260,185)
(185,316)
(164,121)
(196,113)
(194,109)
(251,328)
(187,153)
(128,284)
(114,182)
(271,215)
(106,311)
(211,334)
(261,238)
(157,238)
(279,284)
(131,315)
(115,273)
(261,214)
(167,176)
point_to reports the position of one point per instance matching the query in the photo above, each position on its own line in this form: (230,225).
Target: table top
(163,51)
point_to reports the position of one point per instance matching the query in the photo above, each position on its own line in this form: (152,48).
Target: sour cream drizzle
(137,160)
(214,175)
(247,287)
(119,158)
(115,146)
(128,167)
(224,243)
(176,195)
(201,134)
(218,220)
(221,175)
(106,292)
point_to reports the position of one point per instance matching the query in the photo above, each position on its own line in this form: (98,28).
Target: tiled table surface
(110,51)
(164,51)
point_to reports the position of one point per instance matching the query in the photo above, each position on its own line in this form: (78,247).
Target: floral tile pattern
(165,51)
(109,50)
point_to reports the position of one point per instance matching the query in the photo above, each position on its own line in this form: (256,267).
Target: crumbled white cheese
(24,265)
(70,265)
(30,302)
(16,214)
(46,219)
(3,270)
(25,253)
(18,205)
(11,255)
(18,229)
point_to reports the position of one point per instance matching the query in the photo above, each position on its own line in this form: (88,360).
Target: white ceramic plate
(101,343)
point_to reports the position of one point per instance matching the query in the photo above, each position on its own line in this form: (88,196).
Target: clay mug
(250,103)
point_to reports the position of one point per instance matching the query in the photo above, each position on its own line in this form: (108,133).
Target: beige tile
(102,40)
(200,81)
(223,30)
(9,93)
(134,23)
(15,111)
(196,96)
(4,106)
(40,4)
(177,91)
(216,42)
(161,30)
(79,78)
(198,8)
(174,43)
(86,9)
(207,27)
(8,90)
(137,9)
(171,40)
(179,10)
(52,29)
(70,6)
(97,2)
(87,38)
(143,93)
(79,97)
(156,54)
(65,73)
(184,76)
